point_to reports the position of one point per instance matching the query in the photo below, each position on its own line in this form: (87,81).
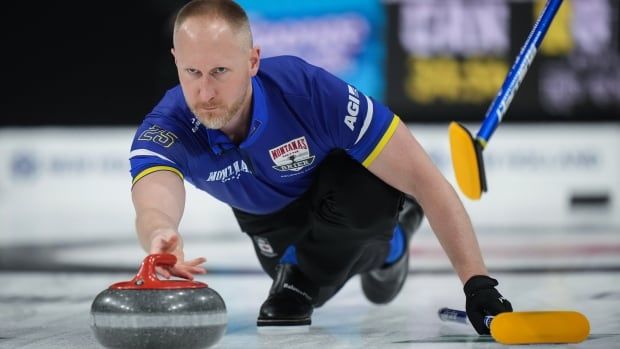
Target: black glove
(483,299)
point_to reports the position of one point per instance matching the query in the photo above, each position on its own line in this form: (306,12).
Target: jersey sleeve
(156,147)
(350,119)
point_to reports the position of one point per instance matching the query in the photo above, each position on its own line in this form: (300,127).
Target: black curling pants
(341,227)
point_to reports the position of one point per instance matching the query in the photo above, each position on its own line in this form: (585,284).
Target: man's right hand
(171,242)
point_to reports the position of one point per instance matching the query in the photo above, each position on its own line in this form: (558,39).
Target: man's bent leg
(382,285)
(289,304)
(354,214)
(272,234)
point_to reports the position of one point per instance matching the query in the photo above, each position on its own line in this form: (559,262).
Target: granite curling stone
(147,312)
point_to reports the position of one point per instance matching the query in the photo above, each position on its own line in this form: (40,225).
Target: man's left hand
(482,300)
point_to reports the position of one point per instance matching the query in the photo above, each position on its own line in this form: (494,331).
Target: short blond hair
(226,10)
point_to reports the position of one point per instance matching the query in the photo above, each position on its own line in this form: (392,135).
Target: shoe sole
(283,326)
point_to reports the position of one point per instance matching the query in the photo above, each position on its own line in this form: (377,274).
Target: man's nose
(206,90)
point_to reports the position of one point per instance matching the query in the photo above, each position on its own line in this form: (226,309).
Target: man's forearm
(150,222)
(455,233)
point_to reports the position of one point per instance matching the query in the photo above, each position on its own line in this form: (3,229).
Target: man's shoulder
(290,74)
(172,101)
(171,110)
(283,63)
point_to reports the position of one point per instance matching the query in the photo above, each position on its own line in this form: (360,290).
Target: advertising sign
(448,59)
(345,37)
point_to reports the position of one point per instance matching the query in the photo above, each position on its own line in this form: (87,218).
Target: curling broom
(530,327)
(466,151)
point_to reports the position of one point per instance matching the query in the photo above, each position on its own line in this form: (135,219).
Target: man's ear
(254,60)
(173,55)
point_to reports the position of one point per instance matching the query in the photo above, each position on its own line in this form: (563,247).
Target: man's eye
(219,70)
(192,71)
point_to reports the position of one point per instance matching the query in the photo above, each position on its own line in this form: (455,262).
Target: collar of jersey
(220,143)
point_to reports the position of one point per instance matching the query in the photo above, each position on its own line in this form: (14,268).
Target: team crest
(293,155)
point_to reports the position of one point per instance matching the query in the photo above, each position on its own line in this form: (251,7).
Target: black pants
(341,227)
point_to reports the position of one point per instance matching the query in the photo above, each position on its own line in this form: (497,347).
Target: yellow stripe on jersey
(386,137)
(155,169)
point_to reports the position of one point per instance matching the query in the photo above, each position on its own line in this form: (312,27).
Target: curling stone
(147,312)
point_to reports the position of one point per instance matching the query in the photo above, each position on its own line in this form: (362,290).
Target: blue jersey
(300,113)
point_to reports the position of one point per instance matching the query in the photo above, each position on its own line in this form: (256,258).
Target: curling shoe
(289,305)
(383,284)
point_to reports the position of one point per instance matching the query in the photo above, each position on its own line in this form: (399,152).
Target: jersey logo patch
(264,246)
(293,155)
(229,172)
(353,108)
(159,136)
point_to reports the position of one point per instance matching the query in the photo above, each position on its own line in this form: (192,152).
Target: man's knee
(373,216)
(351,196)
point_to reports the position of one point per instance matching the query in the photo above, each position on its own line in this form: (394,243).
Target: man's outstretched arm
(405,165)
(159,201)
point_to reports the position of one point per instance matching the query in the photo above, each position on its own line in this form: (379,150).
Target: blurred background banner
(346,37)
(448,58)
(74,183)
(430,61)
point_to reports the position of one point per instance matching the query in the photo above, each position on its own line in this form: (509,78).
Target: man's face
(215,66)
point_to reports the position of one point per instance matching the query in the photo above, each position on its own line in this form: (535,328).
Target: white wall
(534,170)
(58,184)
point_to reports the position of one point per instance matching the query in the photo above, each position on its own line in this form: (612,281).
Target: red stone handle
(146,278)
